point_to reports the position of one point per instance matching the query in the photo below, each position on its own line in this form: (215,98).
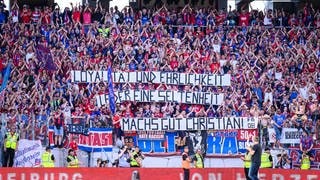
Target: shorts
(58,132)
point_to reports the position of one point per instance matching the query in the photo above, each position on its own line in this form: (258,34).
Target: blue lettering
(145,145)
(222,145)
(229,145)
(171,142)
(214,144)
(157,144)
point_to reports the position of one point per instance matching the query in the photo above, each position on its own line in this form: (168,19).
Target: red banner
(149,173)
(97,140)
(244,134)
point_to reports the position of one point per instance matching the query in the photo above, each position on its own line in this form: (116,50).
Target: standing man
(186,160)
(47,158)
(255,152)
(247,164)
(198,158)
(10,146)
(277,122)
(266,159)
(306,145)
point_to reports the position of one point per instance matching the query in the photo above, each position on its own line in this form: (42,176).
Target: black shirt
(256,157)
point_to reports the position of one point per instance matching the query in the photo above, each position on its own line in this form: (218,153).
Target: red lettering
(95,140)
(106,140)
(84,139)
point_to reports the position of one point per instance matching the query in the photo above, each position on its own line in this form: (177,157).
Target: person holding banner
(47,158)
(11,144)
(72,159)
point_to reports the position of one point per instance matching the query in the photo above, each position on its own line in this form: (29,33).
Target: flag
(112,103)
(6,76)
(44,55)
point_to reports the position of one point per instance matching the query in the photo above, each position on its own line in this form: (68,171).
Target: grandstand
(161,75)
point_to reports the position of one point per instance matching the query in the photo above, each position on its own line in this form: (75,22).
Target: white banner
(157,77)
(272,135)
(28,153)
(183,124)
(206,98)
(288,136)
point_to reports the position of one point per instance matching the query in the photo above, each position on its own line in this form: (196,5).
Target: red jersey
(244,19)
(46,19)
(36,16)
(26,16)
(76,16)
(174,64)
(214,66)
(116,122)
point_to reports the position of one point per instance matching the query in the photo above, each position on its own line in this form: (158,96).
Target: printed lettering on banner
(151,135)
(28,153)
(244,134)
(288,135)
(173,78)
(206,98)
(183,124)
(96,140)
(217,142)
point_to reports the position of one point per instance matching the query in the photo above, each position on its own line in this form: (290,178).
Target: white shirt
(216,48)
(267,21)
(278,75)
(304,92)
(222,62)
(28,56)
(268,95)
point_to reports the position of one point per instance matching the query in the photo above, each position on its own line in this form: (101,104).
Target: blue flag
(6,76)
(112,102)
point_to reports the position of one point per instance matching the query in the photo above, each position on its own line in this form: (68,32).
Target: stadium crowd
(272,56)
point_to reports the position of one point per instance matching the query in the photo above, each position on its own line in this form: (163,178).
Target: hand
(308,150)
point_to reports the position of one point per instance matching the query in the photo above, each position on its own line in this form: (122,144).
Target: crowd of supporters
(272,56)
